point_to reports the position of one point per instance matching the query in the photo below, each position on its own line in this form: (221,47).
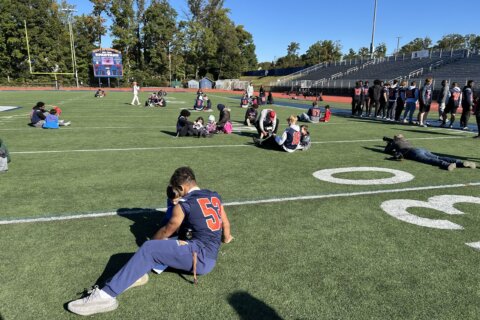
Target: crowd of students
(388,101)
(266,122)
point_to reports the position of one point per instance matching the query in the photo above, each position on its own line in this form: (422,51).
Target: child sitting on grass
(305,142)
(199,129)
(211,125)
(327,115)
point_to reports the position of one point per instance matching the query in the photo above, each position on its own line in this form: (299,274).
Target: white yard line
(242,203)
(208,146)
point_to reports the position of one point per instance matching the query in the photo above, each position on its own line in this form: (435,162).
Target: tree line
(157,44)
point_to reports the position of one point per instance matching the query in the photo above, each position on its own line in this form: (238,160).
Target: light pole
(372,47)
(398,43)
(69,10)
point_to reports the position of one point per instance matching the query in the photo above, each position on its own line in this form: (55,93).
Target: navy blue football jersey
(202,215)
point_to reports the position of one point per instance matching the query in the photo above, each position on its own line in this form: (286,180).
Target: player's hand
(227,239)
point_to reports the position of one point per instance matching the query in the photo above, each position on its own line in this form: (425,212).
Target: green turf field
(304,248)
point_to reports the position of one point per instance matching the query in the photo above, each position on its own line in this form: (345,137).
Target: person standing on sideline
(454,101)
(357,99)
(477,115)
(202,226)
(366,98)
(425,102)
(467,104)
(412,94)
(392,100)
(250,90)
(402,97)
(135,90)
(442,100)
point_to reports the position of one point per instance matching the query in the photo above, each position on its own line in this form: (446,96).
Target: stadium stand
(459,65)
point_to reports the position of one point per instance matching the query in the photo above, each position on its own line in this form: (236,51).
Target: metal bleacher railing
(343,79)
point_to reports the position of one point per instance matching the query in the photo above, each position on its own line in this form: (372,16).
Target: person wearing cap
(267,123)
(400,148)
(223,118)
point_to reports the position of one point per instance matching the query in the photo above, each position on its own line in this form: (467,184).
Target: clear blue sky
(276,23)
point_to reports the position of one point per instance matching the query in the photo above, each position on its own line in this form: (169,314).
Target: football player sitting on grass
(195,251)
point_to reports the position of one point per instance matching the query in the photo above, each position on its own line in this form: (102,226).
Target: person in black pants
(184,126)
(374,94)
(477,115)
(467,104)
(357,99)
(401,148)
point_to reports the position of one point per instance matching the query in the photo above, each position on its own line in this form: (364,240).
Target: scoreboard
(107,63)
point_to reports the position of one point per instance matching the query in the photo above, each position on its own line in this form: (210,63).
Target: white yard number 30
(399,209)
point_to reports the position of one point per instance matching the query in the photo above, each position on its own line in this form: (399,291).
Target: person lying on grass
(203,225)
(401,148)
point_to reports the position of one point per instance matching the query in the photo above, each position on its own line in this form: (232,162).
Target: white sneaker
(140,282)
(96,302)
(159,268)
(66,124)
(451,167)
(469,164)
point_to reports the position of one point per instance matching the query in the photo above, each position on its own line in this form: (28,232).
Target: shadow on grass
(378,149)
(145,222)
(249,307)
(429,132)
(170,133)
(114,264)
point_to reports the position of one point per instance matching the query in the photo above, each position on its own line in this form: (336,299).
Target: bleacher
(458,65)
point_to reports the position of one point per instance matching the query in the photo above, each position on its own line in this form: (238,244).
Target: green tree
(380,50)
(124,31)
(351,54)
(451,41)
(364,52)
(320,51)
(159,33)
(416,45)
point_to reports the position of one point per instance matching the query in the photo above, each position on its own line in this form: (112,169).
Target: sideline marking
(207,146)
(241,203)
(398,176)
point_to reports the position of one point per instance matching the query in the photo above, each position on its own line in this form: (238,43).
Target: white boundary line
(205,147)
(242,203)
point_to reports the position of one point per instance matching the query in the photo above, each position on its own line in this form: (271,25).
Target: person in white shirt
(250,90)
(136,90)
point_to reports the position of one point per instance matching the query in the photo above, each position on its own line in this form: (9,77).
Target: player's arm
(172,226)
(226,235)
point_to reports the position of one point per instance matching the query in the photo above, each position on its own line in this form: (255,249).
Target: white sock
(159,268)
(105,295)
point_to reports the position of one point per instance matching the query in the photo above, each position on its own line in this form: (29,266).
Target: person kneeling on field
(195,251)
(327,115)
(224,125)
(401,148)
(267,123)
(199,129)
(288,141)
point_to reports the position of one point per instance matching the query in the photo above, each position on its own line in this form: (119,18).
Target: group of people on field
(389,101)
(46,119)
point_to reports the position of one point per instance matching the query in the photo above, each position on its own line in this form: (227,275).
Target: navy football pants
(167,252)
